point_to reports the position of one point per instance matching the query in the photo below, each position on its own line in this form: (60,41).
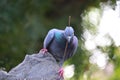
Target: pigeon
(62,44)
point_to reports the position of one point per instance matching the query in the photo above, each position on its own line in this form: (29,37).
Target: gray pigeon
(62,44)
(56,40)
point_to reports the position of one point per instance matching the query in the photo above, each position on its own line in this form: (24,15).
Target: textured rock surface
(34,67)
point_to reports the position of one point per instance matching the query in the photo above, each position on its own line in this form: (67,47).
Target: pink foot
(61,72)
(44,50)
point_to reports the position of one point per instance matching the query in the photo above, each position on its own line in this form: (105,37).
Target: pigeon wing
(49,38)
(73,48)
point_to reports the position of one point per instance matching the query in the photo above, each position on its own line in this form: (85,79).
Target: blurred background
(25,23)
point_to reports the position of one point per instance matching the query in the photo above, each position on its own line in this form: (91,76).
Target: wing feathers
(49,38)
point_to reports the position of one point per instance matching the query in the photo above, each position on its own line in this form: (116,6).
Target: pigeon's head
(69,33)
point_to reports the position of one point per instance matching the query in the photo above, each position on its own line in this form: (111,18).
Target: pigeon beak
(69,38)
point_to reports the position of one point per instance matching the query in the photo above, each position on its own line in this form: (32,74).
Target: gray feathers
(56,40)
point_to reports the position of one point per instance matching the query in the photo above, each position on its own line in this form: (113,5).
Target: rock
(34,67)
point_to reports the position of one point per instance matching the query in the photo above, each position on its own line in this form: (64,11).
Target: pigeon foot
(61,72)
(44,51)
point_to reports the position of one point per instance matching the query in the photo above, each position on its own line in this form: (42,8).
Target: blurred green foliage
(25,23)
